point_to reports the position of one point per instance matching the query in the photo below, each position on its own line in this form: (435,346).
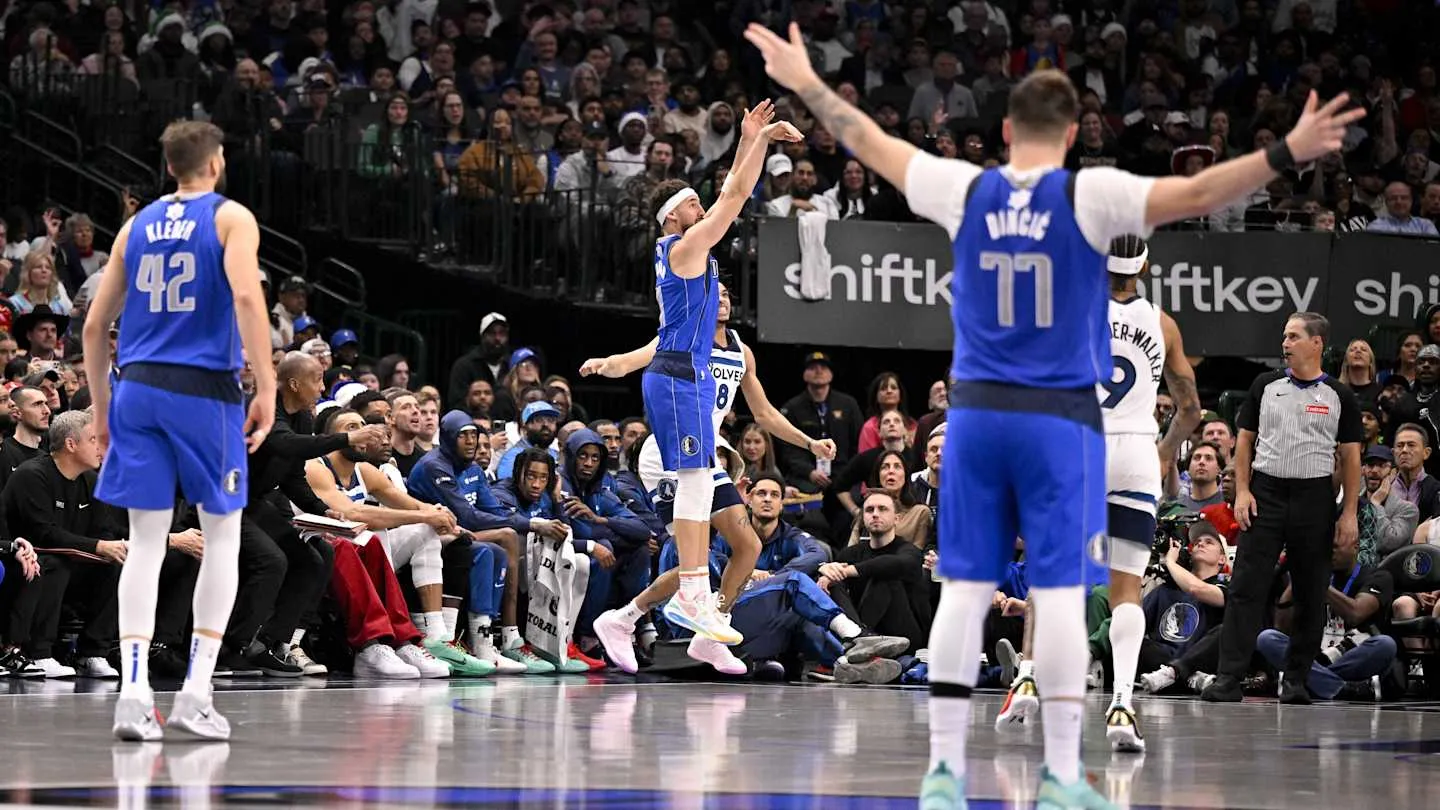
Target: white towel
(814,257)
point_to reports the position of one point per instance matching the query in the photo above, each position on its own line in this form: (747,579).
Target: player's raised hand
(604,366)
(258,421)
(782,131)
(757,119)
(786,61)
(1321,130)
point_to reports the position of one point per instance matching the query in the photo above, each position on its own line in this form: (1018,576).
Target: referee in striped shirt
(1290,424)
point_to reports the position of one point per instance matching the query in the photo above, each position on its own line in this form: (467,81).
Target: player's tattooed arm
(1180,381)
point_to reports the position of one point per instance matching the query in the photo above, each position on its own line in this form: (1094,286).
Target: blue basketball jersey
(179,308)
(1029,300)
(689,307)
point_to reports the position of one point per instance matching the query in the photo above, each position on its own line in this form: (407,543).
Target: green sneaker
(1076,796)
(462,664)
(534,664)
(942,790)
(573,666)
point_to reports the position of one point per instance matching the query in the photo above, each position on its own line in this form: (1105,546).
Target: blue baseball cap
(343,337)
(306,322)
(521,355)
(541,408)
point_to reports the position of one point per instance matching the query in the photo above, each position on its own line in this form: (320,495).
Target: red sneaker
(573,653)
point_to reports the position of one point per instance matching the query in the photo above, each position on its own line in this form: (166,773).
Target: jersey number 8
(722,395)
(167,296)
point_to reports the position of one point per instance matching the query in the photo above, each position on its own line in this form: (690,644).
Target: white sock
(1026,669)
(203,652)
(1127,631)
(510,637)
(214,596)
(451,617)
(1062,657)
(844,627)
(631,613)
(959,627)
(434,626)
(137,593)
(695,584)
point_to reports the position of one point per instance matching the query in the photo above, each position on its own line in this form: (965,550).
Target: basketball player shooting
(678,388)
(1026,455)
(185,272)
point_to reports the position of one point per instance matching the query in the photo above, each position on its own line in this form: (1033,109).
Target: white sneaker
(199,717)
(54,669)
(426,664)
(1095,678)
(1200,681)
(618,639)
(717,655)
(380,661)
(136,721)
(483,648)
(97,668)
(1159,680)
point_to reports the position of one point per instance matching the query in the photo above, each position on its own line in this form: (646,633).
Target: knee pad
(693,491)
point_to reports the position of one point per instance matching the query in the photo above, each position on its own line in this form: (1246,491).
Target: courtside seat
(1416,569)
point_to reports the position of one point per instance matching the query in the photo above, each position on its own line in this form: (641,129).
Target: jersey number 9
(1119,388)
(167,296)
(1006,266)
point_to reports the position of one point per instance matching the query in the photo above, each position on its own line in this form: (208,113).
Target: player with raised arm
(732,364)
(1026,455)
(185,272)
(1146,345)
(678,387)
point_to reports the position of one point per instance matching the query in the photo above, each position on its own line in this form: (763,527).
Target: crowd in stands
(467,110)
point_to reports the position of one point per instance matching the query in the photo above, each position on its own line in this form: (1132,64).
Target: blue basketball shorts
(1023,463)
(680,409)
(162,442)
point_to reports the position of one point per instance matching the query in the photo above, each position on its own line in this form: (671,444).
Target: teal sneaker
(942,790)
(1076,796)
(573,666)
(534,664)
(462,664)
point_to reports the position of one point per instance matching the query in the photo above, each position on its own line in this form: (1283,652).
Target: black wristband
(1279,157)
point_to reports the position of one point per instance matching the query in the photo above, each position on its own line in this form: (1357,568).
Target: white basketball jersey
(727,364)
(1137,343)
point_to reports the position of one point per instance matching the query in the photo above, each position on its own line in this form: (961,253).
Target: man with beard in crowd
(488,361)
(32,421)
(405,421)
(1419,405)
(688,115)
(802,193)
(719,136)
(541,420)
(610,435)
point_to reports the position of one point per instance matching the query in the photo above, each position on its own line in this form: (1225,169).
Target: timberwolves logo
(231,482)
(666,490)
(1418,565)
(1098,549)
(1179,623)
(689,445)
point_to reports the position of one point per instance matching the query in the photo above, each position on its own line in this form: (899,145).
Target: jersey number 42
(167,295)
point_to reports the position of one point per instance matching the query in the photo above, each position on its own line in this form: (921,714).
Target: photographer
(1183,616)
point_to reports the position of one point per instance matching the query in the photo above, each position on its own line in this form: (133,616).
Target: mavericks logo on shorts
(232,482)
(689,445)
(1099,549)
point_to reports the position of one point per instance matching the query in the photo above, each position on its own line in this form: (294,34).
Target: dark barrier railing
(379,337)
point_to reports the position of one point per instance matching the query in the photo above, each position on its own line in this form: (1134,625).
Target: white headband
(1127,267)
(674,202)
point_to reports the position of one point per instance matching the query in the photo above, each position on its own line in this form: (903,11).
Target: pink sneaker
(618,639)
(717,655)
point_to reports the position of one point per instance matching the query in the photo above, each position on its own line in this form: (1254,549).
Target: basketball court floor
(597,742)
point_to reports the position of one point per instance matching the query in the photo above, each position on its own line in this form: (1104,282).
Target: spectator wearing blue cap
(524,371)
(541,420)
(345,345)
(305,328)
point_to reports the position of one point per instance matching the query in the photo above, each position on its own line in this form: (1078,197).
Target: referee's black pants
(1297,515)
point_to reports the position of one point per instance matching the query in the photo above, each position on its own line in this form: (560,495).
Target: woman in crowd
(886,394)
(756,449)
(1358,371)
(1410,345)
(393,371)
(78,257)
(524,371)
(386,148)
(39,285)
(892,475)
